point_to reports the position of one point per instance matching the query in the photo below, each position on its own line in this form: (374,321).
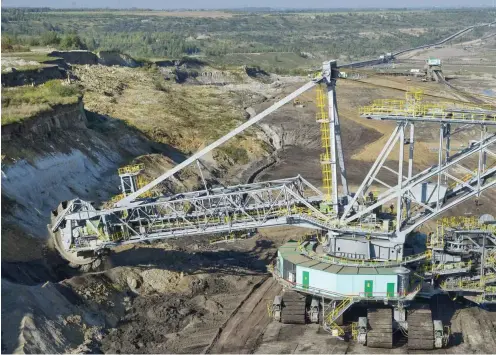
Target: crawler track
(420,330)
(293,311)
(380,334)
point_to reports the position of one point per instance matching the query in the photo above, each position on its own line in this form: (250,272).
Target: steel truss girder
(468,241)
(335,141)
(257,205)
(402,192)
(278,202)
(443,120)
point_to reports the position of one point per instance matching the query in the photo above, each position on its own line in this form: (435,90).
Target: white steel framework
(356,222)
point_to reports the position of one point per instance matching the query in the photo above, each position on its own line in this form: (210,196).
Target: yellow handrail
(131,169)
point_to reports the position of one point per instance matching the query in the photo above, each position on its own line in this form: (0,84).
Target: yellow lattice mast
(325,158)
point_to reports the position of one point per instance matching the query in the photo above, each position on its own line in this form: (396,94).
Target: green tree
(50,38)
(7,43)
(72,41)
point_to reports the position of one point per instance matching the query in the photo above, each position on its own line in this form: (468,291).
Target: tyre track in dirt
(246,325)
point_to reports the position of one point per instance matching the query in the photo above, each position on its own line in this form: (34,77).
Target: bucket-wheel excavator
(363,249)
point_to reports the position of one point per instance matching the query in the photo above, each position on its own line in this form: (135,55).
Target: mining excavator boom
(359,250)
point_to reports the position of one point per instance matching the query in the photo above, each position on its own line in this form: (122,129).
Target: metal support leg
(410,164)
(123,187)
(373,170)
(339,147)
(448,145)
(401,142)
(484,157)
(201,174)
(481,161)
(483,256)
(332,143)
(439,164)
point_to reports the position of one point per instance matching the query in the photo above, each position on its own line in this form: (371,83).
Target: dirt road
(243,330)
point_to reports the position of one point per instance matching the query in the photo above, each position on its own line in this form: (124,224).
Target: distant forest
(310,33)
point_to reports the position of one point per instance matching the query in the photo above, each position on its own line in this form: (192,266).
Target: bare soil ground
(470,65)
(299,339)
(242,332)
(195,297)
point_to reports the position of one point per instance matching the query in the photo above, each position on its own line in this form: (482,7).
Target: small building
(323,277)
(434,62)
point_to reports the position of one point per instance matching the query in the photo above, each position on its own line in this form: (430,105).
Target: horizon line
(255,8)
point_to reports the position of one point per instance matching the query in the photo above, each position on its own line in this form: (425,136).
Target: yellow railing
(359,262)
(354,331)
(269,309)
(446,267)
(491,258)
(141,182)
(413,106)
(465,178)
(321,101)
(424,111)
(336,312)
(413,93)
(131,169)
(463,223)
(325,158)
(339,309)
(470,285)
(327,181)
(332,326)
(373,197)
(490,289)
(116,236)
(435,240)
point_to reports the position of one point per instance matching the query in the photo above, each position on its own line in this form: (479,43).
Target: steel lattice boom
(356,224)
(280,202)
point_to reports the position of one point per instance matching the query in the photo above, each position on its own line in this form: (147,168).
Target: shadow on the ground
(220,261)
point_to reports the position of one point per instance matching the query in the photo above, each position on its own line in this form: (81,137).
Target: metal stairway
(336,312)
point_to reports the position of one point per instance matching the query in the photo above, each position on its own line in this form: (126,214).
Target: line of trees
(340,34)
(49,38)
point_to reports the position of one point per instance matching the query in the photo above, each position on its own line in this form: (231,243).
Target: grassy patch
(236,154)
(281,63)
(30,56)
(22,102)
(22,68)
(25,61)
(187,117)
(184,116)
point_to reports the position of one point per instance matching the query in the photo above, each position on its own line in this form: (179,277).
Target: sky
(216,4)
